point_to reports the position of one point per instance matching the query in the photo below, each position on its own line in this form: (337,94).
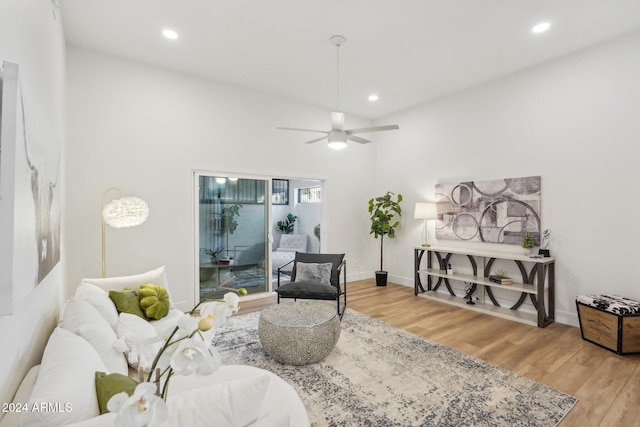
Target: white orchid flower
(233,301)
(142,409)
(195,355)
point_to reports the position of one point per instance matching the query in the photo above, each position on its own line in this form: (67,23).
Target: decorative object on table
(501,278)
(443,267)
(544,250)
(383,210)
(469,291)
(425,211)
(528,243)
(449,269)
(123,212)
(187,350)
(337,137)
(286,226)
(494,211)
(229,222)
(461,388)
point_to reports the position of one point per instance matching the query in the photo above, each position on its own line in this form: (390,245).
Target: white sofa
(286,251)
(61,390)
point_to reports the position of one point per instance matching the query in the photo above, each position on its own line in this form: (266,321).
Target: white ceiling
(407,51)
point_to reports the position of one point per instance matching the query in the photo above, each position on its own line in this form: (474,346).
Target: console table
(537,282)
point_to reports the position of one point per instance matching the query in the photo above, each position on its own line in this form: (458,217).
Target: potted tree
(383,210)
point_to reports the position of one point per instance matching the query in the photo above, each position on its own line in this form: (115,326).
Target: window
(309,195)
(279,191)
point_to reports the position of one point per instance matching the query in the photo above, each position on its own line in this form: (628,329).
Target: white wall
(575,122)
(144,129)
(32,38)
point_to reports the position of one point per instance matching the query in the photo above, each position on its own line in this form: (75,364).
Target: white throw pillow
(83,319)
(157,277)
(65,388)
(313,272)
(138,340)
(100,300)
(233,403)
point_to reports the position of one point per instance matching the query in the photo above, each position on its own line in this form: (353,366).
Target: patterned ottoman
(299,333)
(610,321)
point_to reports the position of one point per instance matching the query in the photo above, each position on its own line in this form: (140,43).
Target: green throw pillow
(126,301)
(154,301)
(109,385)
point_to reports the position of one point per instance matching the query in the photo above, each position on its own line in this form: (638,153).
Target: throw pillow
(127,301)
(154,301)
(83,319)
(99,299)
(109,385)
(138,340)
(64,380)
(313,272)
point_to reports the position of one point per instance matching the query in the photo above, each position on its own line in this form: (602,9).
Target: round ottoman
(299,333)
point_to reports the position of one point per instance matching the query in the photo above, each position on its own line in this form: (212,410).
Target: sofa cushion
(157,276)
(65,383)
(99,299)
(83,319)
(233,403)
(138,340)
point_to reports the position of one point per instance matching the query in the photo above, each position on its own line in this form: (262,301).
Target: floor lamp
(121,213)
(425,211)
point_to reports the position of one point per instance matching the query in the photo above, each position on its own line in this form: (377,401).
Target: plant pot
(381,278)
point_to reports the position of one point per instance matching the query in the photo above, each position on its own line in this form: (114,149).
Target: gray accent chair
(304,288)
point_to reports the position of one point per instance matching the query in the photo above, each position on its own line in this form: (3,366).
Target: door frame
(195,252)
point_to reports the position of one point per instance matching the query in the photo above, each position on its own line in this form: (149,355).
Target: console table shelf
(537,283)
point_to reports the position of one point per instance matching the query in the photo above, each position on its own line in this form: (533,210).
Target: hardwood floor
(607,385)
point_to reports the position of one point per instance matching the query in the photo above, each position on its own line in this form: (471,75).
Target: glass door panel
(232,234)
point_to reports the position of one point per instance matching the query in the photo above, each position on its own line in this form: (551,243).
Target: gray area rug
(380,375)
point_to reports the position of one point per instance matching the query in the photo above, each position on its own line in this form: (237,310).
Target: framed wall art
(492,211)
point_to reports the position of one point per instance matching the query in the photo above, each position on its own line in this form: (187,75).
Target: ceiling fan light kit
(337,137)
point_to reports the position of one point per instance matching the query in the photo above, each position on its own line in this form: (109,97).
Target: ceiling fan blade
(357,139)
(372,129)
(316,140)
(304,130)
(337,121)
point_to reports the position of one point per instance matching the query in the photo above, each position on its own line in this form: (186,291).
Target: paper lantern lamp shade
(125,212)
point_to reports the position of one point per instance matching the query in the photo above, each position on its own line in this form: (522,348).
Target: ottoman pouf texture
(299,333)
(610,321)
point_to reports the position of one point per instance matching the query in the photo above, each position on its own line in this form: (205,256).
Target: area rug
(380,375)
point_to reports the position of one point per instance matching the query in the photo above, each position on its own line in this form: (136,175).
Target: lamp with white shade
(425,211)
(123,212)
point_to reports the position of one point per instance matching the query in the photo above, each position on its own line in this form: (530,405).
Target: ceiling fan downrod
(337,41)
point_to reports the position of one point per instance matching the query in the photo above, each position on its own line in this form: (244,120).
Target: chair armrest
(280,272)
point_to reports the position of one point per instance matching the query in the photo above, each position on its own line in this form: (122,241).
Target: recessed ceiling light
(540,28)
(170,34)
(373,97)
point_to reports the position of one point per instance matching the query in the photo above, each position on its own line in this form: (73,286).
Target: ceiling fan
(338,136)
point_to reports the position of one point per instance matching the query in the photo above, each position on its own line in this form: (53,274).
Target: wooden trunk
(611,331)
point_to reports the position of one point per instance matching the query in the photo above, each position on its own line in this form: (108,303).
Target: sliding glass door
(232,217)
